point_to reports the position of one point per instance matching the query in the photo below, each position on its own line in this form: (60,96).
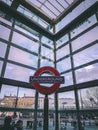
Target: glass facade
(71,48)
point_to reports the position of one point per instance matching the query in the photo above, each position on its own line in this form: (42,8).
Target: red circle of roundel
(45,90)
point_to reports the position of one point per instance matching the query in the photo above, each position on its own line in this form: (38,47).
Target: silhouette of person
(7,124)
(19,125)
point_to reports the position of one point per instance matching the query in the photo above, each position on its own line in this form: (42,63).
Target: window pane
(1,64)
(85,39)
(67,100)
(25,42)
(88,98)
(63,52)
(5,32)
(62,40)
(49,13)
(64,65)
(51,102)
(87,73)
(23,57)
(8,95)
(89,22)
(47,41)
(87,55)
(55,11)
(5,21)
(32,16)
(2,49)
(68,79)
(47,52)
(18,73)
(41,101)
(26,98)
(25,29)
(45,62)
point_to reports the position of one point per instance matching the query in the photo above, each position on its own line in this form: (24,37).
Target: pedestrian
(19,125)
(7,124)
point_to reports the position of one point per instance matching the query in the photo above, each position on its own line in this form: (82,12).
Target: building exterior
(29,102)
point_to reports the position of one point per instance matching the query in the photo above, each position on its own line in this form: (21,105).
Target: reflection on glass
(5,32)
(23,57)
(87,73)
(64,65)
(2,49)
(18,73)
(66,100)
(87,55)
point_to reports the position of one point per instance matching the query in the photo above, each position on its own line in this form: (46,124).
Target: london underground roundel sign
(56,78)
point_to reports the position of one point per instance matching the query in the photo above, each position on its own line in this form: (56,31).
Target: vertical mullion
(55,95)
(7,50)
(75,88)
(37,94)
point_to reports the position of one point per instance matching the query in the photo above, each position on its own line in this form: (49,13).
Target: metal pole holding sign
(45,125)
(56,80)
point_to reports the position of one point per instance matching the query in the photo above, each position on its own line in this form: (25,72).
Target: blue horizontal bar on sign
(47,79)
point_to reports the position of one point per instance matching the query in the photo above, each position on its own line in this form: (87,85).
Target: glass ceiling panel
(32,16)
(49,13)
(52,8)
(63,3)
(57,5)
(75,13)
(35,2)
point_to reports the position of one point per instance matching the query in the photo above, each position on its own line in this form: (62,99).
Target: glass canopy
(52,8)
